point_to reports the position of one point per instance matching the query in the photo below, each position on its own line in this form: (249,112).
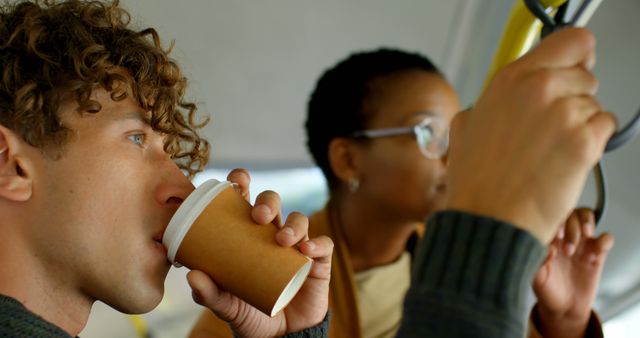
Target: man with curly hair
(94,132)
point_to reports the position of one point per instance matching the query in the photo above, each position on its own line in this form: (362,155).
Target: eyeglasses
(432,135)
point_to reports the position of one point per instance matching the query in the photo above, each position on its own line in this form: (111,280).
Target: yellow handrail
(139,325)
(519,34)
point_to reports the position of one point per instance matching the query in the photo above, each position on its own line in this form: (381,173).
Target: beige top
(380,292)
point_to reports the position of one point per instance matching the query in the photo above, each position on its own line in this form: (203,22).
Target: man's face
(100,210)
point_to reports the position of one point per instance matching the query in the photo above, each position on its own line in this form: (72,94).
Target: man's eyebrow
(133,116)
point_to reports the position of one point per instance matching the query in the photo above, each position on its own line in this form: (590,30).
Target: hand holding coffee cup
(307,308)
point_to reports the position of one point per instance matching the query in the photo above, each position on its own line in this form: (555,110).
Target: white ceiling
(252,65)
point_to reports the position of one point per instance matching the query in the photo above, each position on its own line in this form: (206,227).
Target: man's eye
(137,139)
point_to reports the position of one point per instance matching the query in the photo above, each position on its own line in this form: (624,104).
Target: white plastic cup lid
(188,212)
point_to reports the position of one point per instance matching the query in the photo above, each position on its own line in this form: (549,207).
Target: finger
(242,179)
(557,242)
(267,208)
(587,221)
(575,109)
(597,250)
(552,253)
(565,48)
(542,275)
(586,215)
(572,235)
(560,235)
(564,83)
(206,293)
(604,243)
(319,248)
(294,230)
(601,126)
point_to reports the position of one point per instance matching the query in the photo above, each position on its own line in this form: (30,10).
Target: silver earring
(354,184)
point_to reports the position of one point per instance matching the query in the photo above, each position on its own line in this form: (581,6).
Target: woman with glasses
(378,127)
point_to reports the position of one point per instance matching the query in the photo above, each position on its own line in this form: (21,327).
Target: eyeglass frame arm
(374,133)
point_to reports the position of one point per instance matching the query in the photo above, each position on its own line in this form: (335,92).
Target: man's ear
(344,159)
(15,183)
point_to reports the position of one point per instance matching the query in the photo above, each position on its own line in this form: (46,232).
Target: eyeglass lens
(433,137)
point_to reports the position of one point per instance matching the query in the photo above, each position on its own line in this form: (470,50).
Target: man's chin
(140,308)
(140,302)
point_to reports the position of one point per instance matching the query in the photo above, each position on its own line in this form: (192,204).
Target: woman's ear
(15,183)
(344,159)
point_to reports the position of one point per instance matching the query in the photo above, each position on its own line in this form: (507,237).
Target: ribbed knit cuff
(319,331)
(470,278)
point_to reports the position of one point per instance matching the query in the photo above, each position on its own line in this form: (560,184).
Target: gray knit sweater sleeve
(470,279)
(319,331)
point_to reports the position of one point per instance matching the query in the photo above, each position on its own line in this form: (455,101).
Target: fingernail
(311,245)
(561,233)
(593,258)
(569,248)
(288,230)
(588,228)
(263,209)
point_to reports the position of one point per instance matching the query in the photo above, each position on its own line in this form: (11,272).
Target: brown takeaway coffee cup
(213,231)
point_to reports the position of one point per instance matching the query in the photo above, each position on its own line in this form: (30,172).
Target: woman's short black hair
(336,106)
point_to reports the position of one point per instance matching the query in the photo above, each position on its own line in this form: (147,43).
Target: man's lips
(160,247)
(158,239)
(158,236)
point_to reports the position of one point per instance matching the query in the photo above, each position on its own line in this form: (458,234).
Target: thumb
(206,293)
(602,125)
(541,277)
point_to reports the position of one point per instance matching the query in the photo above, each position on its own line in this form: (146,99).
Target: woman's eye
(137,139)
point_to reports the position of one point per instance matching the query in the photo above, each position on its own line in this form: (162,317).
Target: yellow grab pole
(139,325)
(519,34)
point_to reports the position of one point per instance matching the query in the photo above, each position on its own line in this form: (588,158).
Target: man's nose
(174,187)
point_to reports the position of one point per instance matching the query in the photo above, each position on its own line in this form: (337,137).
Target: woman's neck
(373,236)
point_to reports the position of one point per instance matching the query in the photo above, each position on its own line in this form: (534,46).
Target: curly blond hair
(52,52)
